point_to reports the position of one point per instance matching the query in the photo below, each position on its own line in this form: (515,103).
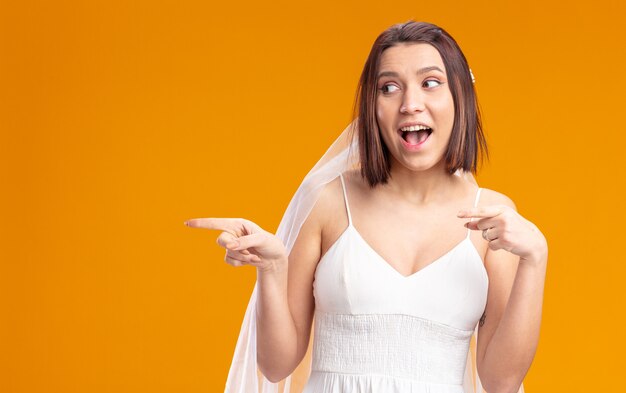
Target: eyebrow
(420,71)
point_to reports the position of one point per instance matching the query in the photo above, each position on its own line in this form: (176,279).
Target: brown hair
(467,139)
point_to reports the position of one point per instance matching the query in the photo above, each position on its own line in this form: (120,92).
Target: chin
(420,164)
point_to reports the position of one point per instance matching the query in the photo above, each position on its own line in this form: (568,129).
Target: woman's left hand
(504,228)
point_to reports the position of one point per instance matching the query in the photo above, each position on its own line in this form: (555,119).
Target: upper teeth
(415,128)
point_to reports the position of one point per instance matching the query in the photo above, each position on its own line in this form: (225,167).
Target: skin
(411,221)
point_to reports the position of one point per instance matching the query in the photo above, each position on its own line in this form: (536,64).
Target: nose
(412,101)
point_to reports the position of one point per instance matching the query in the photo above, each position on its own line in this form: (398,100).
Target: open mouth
(415,137)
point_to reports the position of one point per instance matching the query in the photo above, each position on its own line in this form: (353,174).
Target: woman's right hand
(245,242)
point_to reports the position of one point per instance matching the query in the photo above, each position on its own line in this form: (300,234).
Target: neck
(420,187)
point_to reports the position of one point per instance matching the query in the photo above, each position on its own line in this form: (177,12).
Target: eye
(432,83)
(383,89)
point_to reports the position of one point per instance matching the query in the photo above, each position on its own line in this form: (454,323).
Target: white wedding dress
(379,331)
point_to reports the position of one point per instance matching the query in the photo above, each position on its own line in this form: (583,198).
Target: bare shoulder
(307,248)
(327,204)
(329,213)
(491,197)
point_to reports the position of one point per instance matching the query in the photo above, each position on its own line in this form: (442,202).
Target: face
(412,90)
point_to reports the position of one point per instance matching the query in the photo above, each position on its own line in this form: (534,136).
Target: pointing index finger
(220,224)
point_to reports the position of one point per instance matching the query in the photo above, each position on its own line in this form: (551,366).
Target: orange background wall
(120,121)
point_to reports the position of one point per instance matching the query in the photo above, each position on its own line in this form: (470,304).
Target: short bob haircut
(467,139)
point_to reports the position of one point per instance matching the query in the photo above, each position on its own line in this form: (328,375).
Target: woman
(397,253)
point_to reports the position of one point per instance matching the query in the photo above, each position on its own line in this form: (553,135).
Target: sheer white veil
(244,375)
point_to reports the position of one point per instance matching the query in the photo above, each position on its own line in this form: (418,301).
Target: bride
(390,250)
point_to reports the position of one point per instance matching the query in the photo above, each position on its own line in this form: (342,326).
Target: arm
(508,338)
(286,305)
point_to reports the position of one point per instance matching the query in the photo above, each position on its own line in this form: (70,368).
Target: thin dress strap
(345,198)
(469,231)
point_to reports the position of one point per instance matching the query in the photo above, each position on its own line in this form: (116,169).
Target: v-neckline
(425,267)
